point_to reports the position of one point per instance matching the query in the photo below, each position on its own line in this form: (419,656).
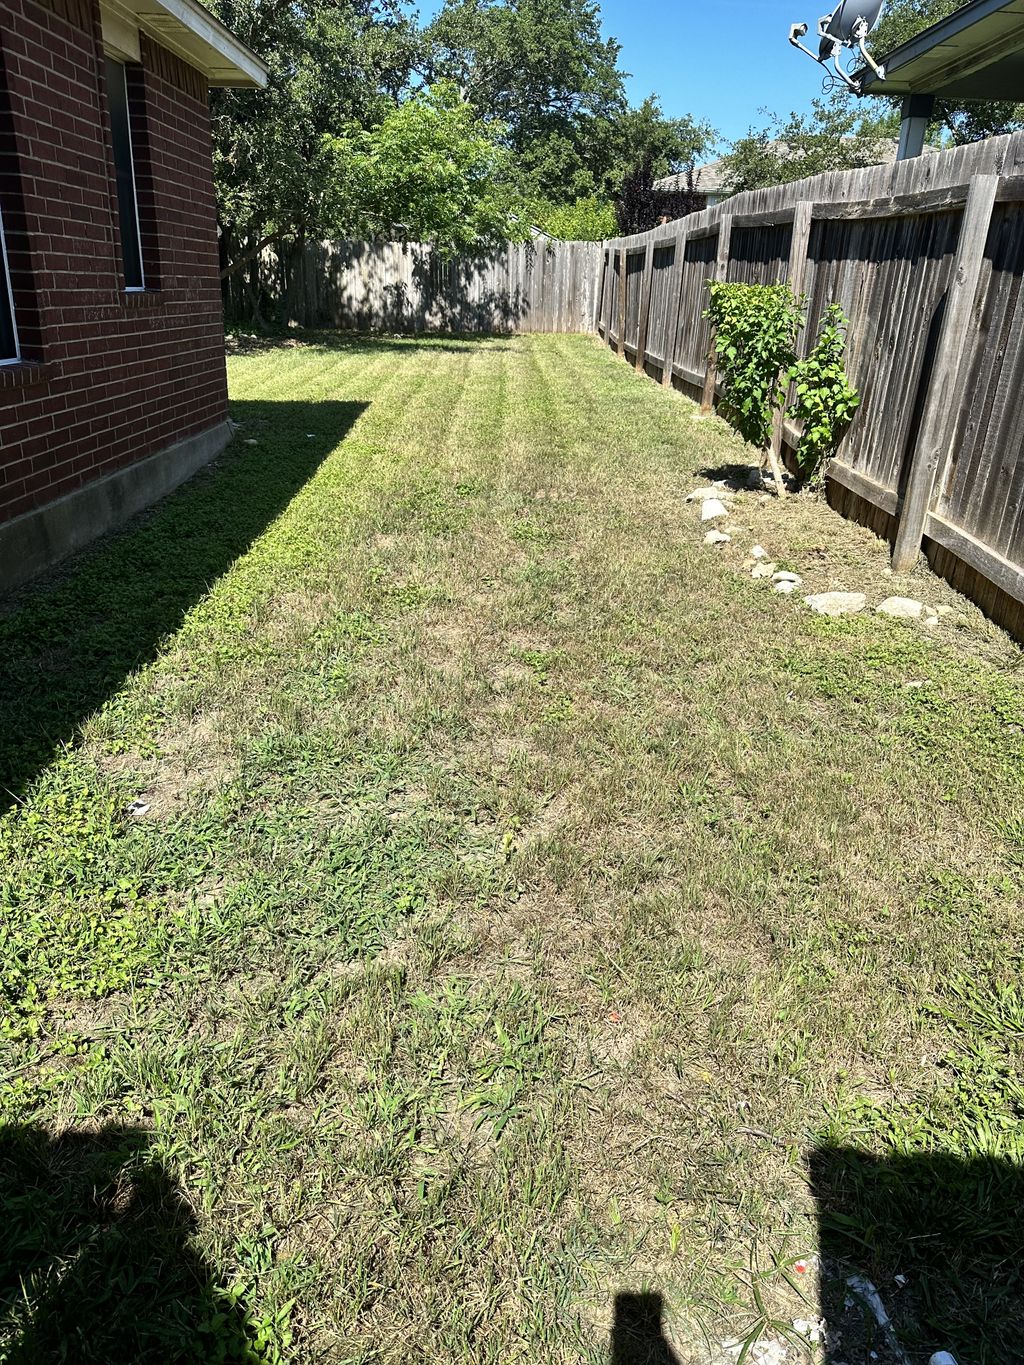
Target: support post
(959,327)
(707,401)
(679,270)
(622,303)
(917,113)
(644,316)
(798,249)
(602,297)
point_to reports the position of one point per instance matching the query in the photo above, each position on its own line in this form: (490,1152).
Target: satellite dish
(848,26)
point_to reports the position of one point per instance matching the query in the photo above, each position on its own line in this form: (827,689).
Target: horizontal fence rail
(926,258)
(535,286)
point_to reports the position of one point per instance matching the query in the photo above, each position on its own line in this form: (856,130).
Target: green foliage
(431,171)
(835,137)
(585,220)
(334,64)
(359,132)
(545,71)
(825,399)
(648,145)
(755,328)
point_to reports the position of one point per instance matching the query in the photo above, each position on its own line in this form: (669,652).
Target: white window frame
(15,359)
(132,288)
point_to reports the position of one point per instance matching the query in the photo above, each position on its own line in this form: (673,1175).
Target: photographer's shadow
(96,1257)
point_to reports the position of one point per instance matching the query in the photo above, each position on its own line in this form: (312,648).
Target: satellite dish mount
(848,25)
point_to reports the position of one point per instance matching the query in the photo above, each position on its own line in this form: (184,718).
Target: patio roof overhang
(187,29)
(975,53)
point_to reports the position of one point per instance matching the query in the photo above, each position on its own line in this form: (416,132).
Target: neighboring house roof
(713,176)
(710,178)
(975,53)
(187,29)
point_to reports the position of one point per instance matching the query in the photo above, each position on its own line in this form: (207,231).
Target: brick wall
(110,377)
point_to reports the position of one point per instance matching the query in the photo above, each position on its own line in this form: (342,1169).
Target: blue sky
(722,60)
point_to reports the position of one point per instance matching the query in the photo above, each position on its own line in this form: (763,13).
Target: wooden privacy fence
(536,286)
(926,258)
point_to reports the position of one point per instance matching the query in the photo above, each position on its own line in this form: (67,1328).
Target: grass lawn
(523,908)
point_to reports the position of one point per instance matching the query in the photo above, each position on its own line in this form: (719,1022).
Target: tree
(544,70)
(431,171)
(835,137)
(648,145)
(333,64)
(965,122)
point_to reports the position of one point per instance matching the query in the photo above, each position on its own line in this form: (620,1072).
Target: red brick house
(112,380)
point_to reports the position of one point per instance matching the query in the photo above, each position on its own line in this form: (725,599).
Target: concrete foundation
(41,538)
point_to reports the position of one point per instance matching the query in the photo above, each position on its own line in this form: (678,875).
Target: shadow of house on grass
(68,644)
(942,1240)
(638,1337)
(96,1262)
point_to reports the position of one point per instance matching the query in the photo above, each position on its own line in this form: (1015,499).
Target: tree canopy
(835,136)
(495,115)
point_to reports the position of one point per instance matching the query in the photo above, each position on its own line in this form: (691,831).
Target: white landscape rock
(712,509)
(785,587)
(703,494)
(717,538)
(837,603)
(763,570)
(759,552)
(785,576)
(903,608)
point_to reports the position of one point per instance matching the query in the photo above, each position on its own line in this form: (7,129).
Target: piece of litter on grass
(251,441)
(901,1280)
(811,1329)
(137,808)
(310,435)
(869,1296)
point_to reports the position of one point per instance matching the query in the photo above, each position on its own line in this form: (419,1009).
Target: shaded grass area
(505,927)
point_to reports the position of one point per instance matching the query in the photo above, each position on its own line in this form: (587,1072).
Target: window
(127,204)
(8,330)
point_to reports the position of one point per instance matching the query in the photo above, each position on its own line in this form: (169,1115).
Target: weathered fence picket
(536,286)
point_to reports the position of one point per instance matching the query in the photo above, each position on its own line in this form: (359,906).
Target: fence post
(644,316)
(623,258)
(607,274)
(934,442)
(798,248)
(707,402)
(676,289)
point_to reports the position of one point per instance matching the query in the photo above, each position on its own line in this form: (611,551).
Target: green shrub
(755,331)
(825,399)
(587,220)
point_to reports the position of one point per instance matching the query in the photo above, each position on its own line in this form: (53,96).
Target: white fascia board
(189,31)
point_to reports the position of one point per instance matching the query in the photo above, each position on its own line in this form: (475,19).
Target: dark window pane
(8,336)
(128,214)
